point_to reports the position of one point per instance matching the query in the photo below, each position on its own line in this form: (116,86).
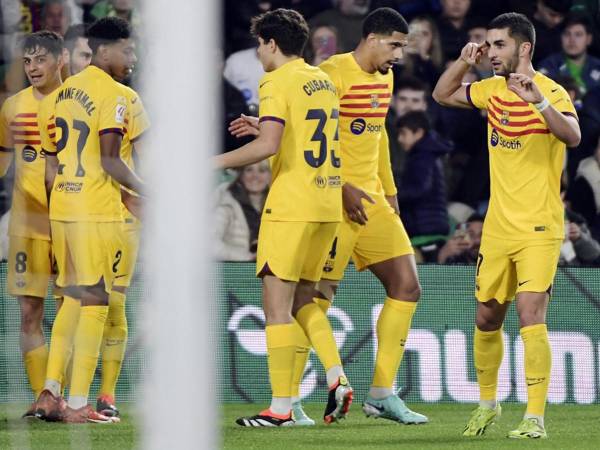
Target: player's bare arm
(564,127)
(449,90)
(6,157)
(264,146)
(110,156)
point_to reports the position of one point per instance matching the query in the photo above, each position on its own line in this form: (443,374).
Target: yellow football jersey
(526,160)
(306,178)
(19,132)
(364,103)
(136,123)
(85,107)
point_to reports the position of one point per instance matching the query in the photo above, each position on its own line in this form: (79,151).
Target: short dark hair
(107,30)
(578,18)
(384,21)
(414,120)
(73,33)
(409,82)
(519,27)
(286,27)
(45,39)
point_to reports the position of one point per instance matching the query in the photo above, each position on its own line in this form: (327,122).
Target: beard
(510,66)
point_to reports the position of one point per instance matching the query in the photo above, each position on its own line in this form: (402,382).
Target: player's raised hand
(353,205)
(524,87)
(472,52)
(244,126)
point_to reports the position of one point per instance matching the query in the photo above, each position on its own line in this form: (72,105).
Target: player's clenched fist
(472,52)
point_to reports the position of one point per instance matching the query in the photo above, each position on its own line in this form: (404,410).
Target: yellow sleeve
(139,120)
(46,125)
(272,104)
(331,69)
(113,112)
(561,100)
(6,142)
(385,166)
(478,93)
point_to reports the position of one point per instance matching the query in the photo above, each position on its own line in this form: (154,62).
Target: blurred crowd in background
(439,155)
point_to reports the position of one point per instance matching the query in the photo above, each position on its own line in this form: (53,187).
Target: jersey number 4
(320,137)
(84,132)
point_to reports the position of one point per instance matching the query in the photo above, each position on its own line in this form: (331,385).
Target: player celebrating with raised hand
(83,173)
(30,252)
(530,121)
(298,129)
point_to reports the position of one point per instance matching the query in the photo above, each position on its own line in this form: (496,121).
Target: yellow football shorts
(131,245)
(294,251)
(30,264)
(87,252)
(505,267)
(382,238)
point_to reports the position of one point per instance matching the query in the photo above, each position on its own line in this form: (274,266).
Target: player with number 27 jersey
(84,196)
(306,187)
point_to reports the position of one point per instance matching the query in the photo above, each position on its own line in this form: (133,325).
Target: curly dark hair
(107,30)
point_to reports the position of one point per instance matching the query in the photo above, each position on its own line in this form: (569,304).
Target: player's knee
(31,316)
(488,323)
(410,292)
(531,317)
(327,289)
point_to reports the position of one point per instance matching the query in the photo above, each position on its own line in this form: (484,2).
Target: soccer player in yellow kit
(530,121)
(298,130)
(371,231)
(83,173)
(30,252)
(114,341)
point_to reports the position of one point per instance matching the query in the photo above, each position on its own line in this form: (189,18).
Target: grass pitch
(569,427)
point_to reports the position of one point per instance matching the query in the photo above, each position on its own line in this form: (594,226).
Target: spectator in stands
(547,20)
(409,95)
(423,57)
(121,8)
(237,216)
(80,53)
(463,246)
(422,185)
(574,59)
(322,43)
(56,16)
(452,25)
(579,247)
(477,31)
(244,71)
(584,191)
(346,18)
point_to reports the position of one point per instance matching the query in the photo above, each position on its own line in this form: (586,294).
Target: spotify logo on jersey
(358,126)
(494,138)
(29,154)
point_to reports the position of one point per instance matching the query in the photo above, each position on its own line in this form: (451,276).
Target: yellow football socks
(61,340)
(114,342)
(35,365)
(538,362)
(488,349)
(88,339)
(281,351)
(392,330)
(303,350)
(315,324)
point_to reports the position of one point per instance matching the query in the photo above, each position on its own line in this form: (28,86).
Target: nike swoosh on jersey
(522,283)
(268,81)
